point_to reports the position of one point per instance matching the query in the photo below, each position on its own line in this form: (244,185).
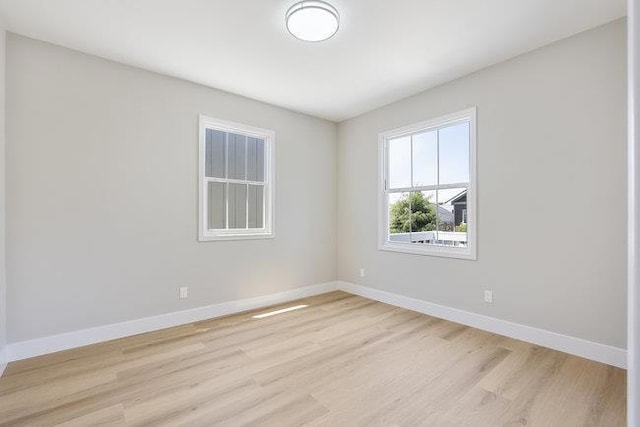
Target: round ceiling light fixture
(312,21)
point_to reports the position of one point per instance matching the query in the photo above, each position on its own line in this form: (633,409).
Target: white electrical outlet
(488,296)
(184,292)
(362,272)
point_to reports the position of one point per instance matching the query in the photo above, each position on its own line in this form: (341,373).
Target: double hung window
(427,187)
(236,181)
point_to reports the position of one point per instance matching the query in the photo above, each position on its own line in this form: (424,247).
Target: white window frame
(269,138)
(469,252)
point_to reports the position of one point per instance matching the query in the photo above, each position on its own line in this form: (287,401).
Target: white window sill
(430,250)
(244,236)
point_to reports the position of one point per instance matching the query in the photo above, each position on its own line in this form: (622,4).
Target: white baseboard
(51,344)
(576,346)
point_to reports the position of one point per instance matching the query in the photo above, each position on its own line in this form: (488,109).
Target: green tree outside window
(413,212)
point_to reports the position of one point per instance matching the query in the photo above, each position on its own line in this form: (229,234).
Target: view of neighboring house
(459,204)
(446,220)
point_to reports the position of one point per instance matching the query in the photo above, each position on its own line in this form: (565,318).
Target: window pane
(454,154)
(237,206)
(256,206)
(215,151)
(423,216)
(400,162)
(260,159)
(399,217)
(255,159)
(216,206)
(425,159)
(237,156)
(412,217)
(452,208)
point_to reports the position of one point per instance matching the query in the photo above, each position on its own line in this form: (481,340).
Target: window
(427,187)
(236,181)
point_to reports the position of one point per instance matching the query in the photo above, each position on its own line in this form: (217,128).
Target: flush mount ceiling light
(312,21)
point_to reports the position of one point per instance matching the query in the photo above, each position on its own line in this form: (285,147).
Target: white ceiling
(384,51)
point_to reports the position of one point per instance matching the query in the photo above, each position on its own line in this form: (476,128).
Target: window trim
(469,252)
(269,137)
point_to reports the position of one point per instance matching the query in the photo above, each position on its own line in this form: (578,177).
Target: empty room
(322,213)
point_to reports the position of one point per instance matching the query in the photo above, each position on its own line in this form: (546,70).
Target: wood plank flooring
(341,361)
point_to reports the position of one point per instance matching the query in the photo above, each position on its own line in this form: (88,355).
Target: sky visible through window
(453,165)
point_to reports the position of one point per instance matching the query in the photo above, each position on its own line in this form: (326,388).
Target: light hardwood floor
(342,361)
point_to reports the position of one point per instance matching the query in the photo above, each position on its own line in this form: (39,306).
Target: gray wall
(102,195)
(551,191)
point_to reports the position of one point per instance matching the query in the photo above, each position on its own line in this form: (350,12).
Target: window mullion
(410,201)
(438,183)
(429,187)
(266,191)
(246,176)
(226,186)
(246,203)
(234,181)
